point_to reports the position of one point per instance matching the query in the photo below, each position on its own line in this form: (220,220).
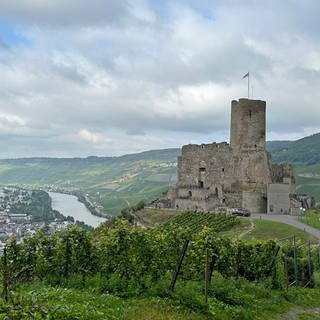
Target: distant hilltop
(305,150)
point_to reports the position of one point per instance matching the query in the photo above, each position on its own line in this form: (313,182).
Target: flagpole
(247,75)
(248,85)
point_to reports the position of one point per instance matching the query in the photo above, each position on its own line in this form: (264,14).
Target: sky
(111,77)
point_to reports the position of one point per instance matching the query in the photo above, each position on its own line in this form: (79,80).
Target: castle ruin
(235,175)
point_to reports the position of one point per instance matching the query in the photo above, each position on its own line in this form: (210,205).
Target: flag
(246,75)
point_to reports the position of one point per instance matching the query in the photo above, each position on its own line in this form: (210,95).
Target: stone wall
(198,164)
(254,201)
(218,168)
(283,173)
(278,198)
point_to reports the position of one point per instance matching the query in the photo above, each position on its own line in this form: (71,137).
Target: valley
(112,183)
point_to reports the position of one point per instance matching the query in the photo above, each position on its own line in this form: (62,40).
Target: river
(68,205)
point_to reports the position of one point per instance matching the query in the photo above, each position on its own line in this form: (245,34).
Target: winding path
(297,312)
(290,220)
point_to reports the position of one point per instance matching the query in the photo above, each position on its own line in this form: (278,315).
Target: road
(290,220)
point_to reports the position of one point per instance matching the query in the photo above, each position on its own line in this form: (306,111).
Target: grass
(312,218)
(238,231)
(315,315)
(246,229)
(240,299)
(151,217)
(228,299)
(41,301)
(158,309)
(265,230)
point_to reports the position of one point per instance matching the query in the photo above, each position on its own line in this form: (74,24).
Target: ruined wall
(204,165)
(193,204)
(283,173)
(306,202)
(232,200)
(236,175)
(220,169)
(254,201)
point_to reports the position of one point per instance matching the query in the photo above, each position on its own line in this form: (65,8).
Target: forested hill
(273,146)
(305,150)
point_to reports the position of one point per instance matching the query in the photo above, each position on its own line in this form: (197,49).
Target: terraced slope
(113,182)
(195,221)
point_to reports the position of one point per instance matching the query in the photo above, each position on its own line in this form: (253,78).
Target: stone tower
(248,125)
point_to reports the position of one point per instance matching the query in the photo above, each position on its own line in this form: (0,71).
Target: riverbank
(69,205)
(94,208)
(89,205)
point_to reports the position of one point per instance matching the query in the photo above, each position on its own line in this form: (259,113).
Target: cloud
(86,135)
(135,132)
(64,13)
(12,124)
(8,119)
(115,77)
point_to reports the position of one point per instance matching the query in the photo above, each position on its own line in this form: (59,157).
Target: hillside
(305,150)
(273,146)
(116,182)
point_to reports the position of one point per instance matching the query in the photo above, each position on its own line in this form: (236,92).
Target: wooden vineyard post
(273,260)
(295,260)
(309,263)
(238,259)
(286,276)
(206,280)
(211,266)
(178,266)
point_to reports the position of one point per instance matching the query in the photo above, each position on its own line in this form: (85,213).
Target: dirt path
(138,221)
(247,230)
(294,314)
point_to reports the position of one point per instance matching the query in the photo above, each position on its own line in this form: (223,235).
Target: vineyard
(312,218)
(129,261)
(196,221)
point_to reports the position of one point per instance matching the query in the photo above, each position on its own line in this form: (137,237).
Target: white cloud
(89,136)
(12,124)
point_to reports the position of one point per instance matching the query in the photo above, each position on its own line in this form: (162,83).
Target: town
(19,214)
